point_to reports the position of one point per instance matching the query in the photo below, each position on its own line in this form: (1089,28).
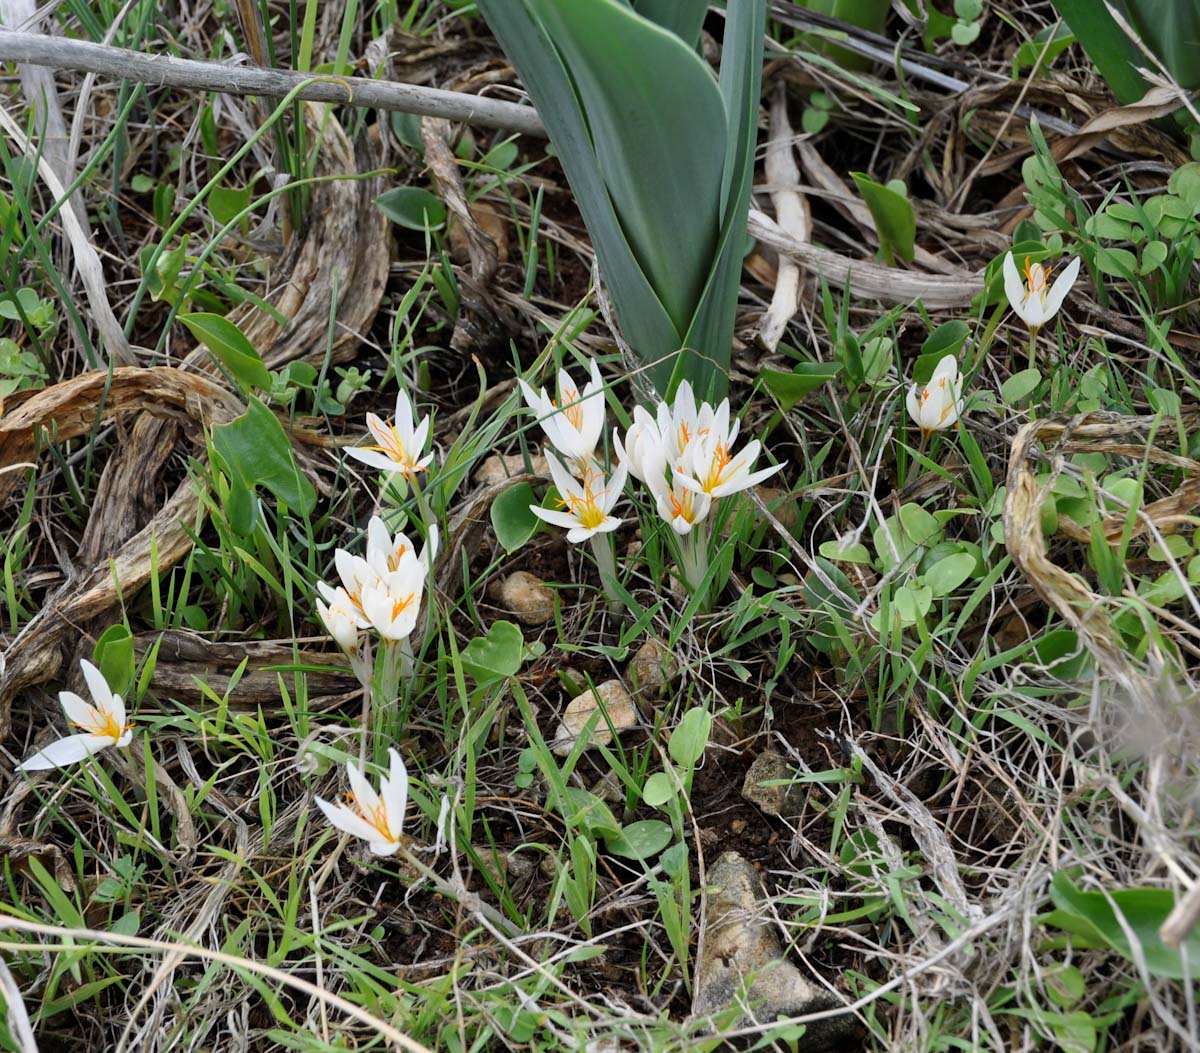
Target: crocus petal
(98,687)
(373,459)
(384,848)
(914,404)
(616,484)
(1060,288)
(364,793)
(553,516)
(404,411)
(394,790)
(79,713)
(1014,287)
(347,820)
(69,750)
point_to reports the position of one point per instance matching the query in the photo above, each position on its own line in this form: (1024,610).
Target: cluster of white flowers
(381,592)
(939,404)
(684,455)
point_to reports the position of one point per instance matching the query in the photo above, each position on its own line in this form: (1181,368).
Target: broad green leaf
(254,451)
(412,207)
(947,339)
(920,526)
(690,737)
(1045,45)
(644,322)
(1020,385)
(231,347)
(948,574)
(226,203)
(660,163)
(512,519)
(851,553)
(642,152)
(589,813)
(640,840)
(1099,916)
(681,17)
(895,221)
(113,654)
(790,388)
(494,656)
(658,789)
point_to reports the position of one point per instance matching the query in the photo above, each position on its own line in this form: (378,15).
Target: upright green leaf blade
(659,139)
(254,450)
(895,221)
(711,331)
(681,17)
(643,320)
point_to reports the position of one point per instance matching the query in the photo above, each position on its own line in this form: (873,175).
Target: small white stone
(617,704)
(526,596)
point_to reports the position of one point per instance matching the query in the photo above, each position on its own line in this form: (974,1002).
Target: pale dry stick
(41,96)
(792,214)
(1182,918)
(18,1017)
(168,71)
(87,260)
(73,937)
(869,279)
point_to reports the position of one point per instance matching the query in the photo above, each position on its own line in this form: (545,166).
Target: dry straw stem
(167,71)
(1100,432)
(791,211)
(87,259)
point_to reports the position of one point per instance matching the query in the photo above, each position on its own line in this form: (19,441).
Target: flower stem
(694,552)
(1033,335)
(606,561)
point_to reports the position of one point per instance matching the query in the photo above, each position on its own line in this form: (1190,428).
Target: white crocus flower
(682,507)
(679,423)
(710,466)
(641,452)
(377,818)
(586,503)
(574,421)
(938,404)
(385,551)
(392,601)
(1035,300)
(399,442)
(340,616)
(101,725)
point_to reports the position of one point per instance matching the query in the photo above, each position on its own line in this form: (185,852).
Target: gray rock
(743,964)
(777,800)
